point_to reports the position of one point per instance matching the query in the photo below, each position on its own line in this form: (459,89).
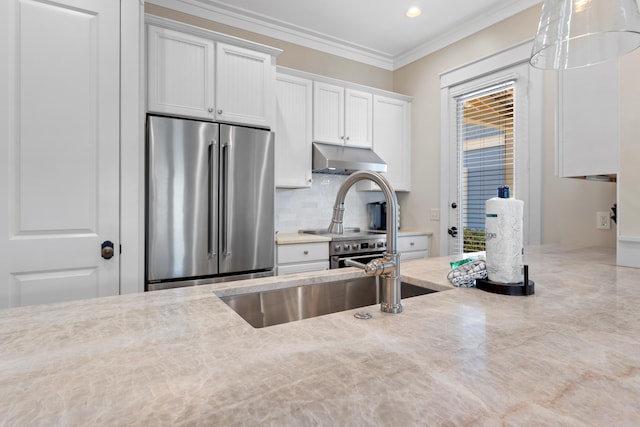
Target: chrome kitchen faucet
(389,265)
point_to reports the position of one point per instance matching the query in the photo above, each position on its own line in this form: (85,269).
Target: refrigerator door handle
(226,190)
(213,209)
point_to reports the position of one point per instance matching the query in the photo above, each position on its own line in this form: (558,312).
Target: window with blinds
(486,147)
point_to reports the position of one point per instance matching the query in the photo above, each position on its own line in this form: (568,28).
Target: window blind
(486,151)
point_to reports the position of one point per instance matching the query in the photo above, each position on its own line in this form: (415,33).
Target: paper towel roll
(504,239)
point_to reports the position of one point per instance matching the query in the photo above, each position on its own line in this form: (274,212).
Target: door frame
(132,63)
(491,64)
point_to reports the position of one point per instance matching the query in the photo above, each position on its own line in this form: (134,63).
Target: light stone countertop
(296,238)
(567,356)
(409,232)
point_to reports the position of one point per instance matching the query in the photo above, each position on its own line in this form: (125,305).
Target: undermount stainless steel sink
(274,307)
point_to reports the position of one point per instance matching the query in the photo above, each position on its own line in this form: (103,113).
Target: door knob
(453,231)
(107,249)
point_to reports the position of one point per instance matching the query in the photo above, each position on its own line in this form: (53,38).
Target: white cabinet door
(59,142)
(180,73)
(244,86)
(293,131)
(392,141)
(328,113)
(358,120)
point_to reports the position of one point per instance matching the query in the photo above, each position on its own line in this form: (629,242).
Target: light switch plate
(603,221)
(435,214)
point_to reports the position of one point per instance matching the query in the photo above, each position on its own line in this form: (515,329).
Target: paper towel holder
(527,287)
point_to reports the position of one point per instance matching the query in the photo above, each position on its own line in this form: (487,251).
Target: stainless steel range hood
(344,160)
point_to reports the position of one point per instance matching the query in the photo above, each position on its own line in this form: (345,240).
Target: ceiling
(376,32)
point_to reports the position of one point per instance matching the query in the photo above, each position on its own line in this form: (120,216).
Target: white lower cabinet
(414,245)
(301,257)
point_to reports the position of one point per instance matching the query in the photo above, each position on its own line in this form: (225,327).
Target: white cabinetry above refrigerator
(198,73)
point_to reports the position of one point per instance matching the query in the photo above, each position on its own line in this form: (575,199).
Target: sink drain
(363,315)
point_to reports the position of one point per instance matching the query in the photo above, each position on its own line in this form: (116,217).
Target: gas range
(353,241)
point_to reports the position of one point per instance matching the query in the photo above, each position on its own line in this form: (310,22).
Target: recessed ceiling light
(413,12)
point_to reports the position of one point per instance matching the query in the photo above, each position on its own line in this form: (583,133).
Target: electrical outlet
(603,221)
(435,214)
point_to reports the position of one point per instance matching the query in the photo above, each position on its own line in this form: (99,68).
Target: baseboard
(628,251)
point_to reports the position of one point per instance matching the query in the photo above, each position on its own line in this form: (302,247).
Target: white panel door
(358,121)
(59,150)
(293,131)
(328,113)
(180,73)
(244,86)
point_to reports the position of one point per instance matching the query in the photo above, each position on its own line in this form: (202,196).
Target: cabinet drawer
(303,252)
(301,268)
(407,255)
(413,243)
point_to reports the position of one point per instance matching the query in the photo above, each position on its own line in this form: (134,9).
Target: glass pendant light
(577,33)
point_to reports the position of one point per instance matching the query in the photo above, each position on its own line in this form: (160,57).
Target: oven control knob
(356,246)
(347,247)
(380,244)
(336,248)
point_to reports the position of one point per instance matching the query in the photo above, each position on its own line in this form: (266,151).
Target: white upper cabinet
(244,86)
(328,113)
(342,116)
(293,131)
(198,73)
(358,118)
(392,141)
(588,135)
(180,73)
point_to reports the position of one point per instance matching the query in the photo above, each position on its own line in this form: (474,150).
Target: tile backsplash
(309,208)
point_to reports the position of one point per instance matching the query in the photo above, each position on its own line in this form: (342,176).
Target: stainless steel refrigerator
(210,202)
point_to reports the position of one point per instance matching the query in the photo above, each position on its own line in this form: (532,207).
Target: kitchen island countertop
(568,355)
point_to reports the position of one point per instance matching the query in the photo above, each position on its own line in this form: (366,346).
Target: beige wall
(629,176)
(569,205)
(292,56)
(630,144)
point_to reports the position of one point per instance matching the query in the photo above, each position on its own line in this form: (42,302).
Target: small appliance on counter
(377,212)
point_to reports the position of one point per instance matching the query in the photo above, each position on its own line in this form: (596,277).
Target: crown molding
(257,23)
(470,27)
